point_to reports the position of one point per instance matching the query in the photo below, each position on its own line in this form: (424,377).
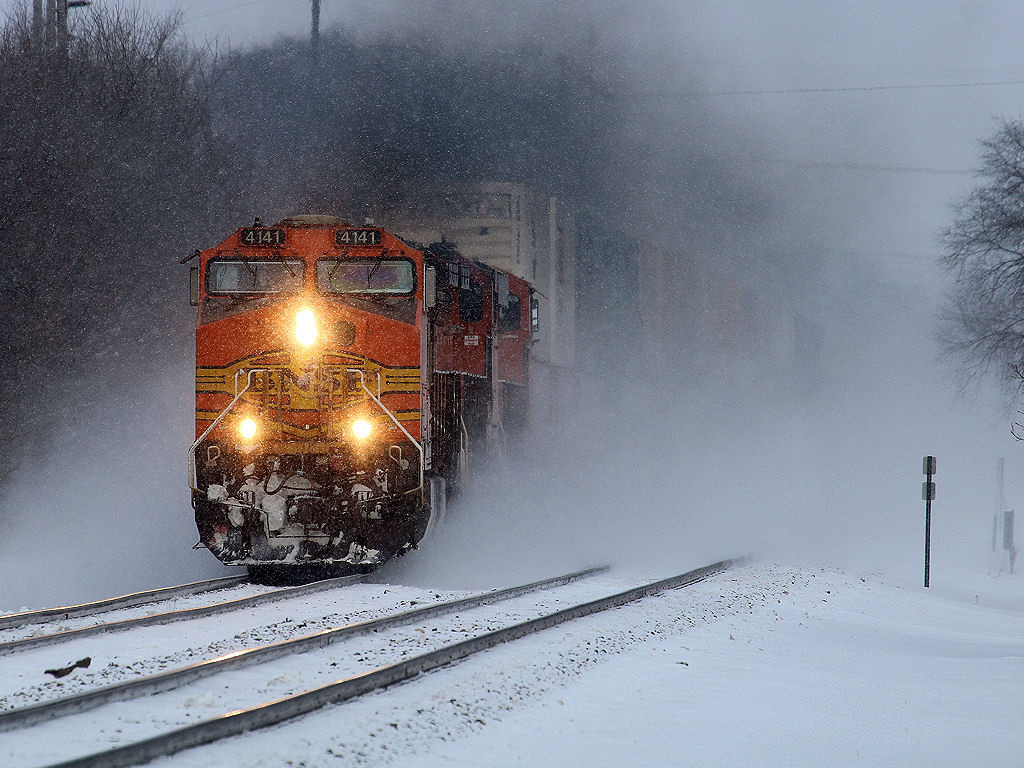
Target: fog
(725,133)
(833,481)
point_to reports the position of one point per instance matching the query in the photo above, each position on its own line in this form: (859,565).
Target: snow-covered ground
(830,669)
(768,665)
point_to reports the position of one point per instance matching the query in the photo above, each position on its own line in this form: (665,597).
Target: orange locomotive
(343,379)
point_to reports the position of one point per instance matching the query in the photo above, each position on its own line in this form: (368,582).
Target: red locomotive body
(343,379)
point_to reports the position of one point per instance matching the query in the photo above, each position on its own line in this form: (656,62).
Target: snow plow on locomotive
(343,379)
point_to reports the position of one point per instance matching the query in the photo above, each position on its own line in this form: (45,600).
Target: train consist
(344,378)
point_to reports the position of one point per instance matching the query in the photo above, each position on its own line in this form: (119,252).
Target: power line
(849,89)
(885,254)
(225,10)
(866,167)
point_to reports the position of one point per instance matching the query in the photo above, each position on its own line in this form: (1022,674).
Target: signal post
(928,494)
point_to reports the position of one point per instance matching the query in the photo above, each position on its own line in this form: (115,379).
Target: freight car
(345,381)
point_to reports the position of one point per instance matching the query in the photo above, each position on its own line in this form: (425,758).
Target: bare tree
(984,250)
(109,169)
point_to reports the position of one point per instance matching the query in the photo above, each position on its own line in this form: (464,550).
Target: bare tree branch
(983,325)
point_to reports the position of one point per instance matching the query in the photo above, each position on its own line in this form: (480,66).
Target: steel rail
(165,681)
(289,707)
(43,615)
(31,643)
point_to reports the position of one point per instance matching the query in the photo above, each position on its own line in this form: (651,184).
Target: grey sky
(885,154)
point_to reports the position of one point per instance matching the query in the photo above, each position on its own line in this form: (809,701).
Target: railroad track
(347,688)
(45,615)
(169,617)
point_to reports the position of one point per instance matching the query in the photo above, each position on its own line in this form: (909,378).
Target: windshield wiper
(376,266)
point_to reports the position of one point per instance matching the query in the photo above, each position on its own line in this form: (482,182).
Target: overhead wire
(865,166)
(840,89)
(229,8)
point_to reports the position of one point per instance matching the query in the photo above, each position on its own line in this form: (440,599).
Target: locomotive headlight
(361,428)
(247,428)
(305,327)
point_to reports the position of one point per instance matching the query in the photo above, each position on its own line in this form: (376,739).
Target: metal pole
(554,300)
(51,23)
(1000,503)
(928,494)
(37,24)
(314,33)
(62,26)
(927,533)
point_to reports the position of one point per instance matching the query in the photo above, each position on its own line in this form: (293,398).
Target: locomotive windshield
(227,277)
(395,277)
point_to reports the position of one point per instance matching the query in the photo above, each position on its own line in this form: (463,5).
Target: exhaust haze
(723,134)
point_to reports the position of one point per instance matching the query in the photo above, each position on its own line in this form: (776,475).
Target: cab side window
(471,303)
(510,318)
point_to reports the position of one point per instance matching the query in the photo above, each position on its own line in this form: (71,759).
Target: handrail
(193,476)
(463,451)
(362,383)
